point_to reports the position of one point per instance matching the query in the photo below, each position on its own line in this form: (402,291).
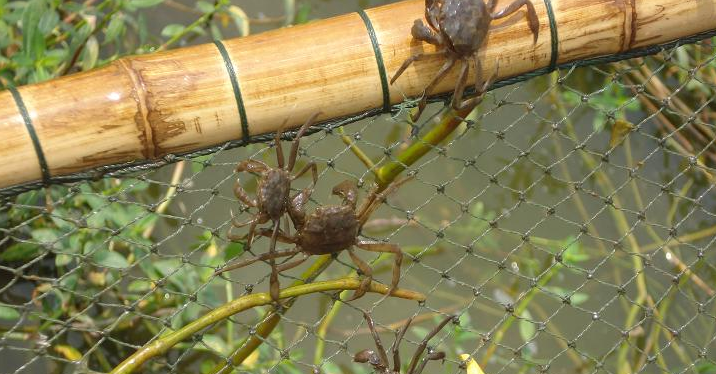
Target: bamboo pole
(145,107)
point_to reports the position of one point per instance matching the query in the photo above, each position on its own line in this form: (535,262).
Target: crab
(459,28)
(274,186)
(379,360)
(330,229)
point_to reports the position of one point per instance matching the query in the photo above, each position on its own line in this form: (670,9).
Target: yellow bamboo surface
(144,107)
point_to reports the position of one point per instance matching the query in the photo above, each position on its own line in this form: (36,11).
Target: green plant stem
(101,358)
(704,233)
(357,151)
(80,23)
(335,308)
(229,289)
(449,122)
(323,329)
(269,320)
(559,104)
(80,47)
(168,196)
(673,257)
(653,338)
(622,226)
(163,344)
(565,169)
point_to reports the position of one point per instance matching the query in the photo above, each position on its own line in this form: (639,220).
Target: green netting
(568,223)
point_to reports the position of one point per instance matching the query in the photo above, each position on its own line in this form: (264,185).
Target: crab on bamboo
(273,190)
(330,229)
(459,28)
(379,360)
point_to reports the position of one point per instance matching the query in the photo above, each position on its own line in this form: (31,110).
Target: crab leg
(396,344)
(431,86)
(375,199)
(274,286)
(413,58)
(424,344)
(480,91)
(244,197)
(314,172)
(457,102)
(386,248)
(251,166)
(532,19)
(294,146)
(263,257)
(261,218)
(367,275)
(376,338)
(294,263)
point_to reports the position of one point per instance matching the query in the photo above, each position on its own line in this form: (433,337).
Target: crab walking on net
(330,229)
(459,28)
(272,193)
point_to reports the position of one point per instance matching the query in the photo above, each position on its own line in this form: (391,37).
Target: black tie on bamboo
(553,35)
(237,90)
(379,59)
(33,135)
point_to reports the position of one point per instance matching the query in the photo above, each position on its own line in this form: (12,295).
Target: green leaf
(110,259)
(45,235)
(419,331)
(144,3)
(139,286)
(241,20)
(142,31)
(303,14)
(578,298)
(40,74)
(115,29)
(69,352)
(33,41)
(49,20)
(54,57)
(74,243)
(289,9)
(172,30)
(233,250)
(197,163)
(4,34)
(216,343)
(706,368)
(20,252)
(62,260)
(9,314)
(166,267)
(574,252)
(62,219)
(527,327)
(69,281)
(204,6)
(90,54)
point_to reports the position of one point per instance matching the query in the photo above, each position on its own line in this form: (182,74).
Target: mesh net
(568,223)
